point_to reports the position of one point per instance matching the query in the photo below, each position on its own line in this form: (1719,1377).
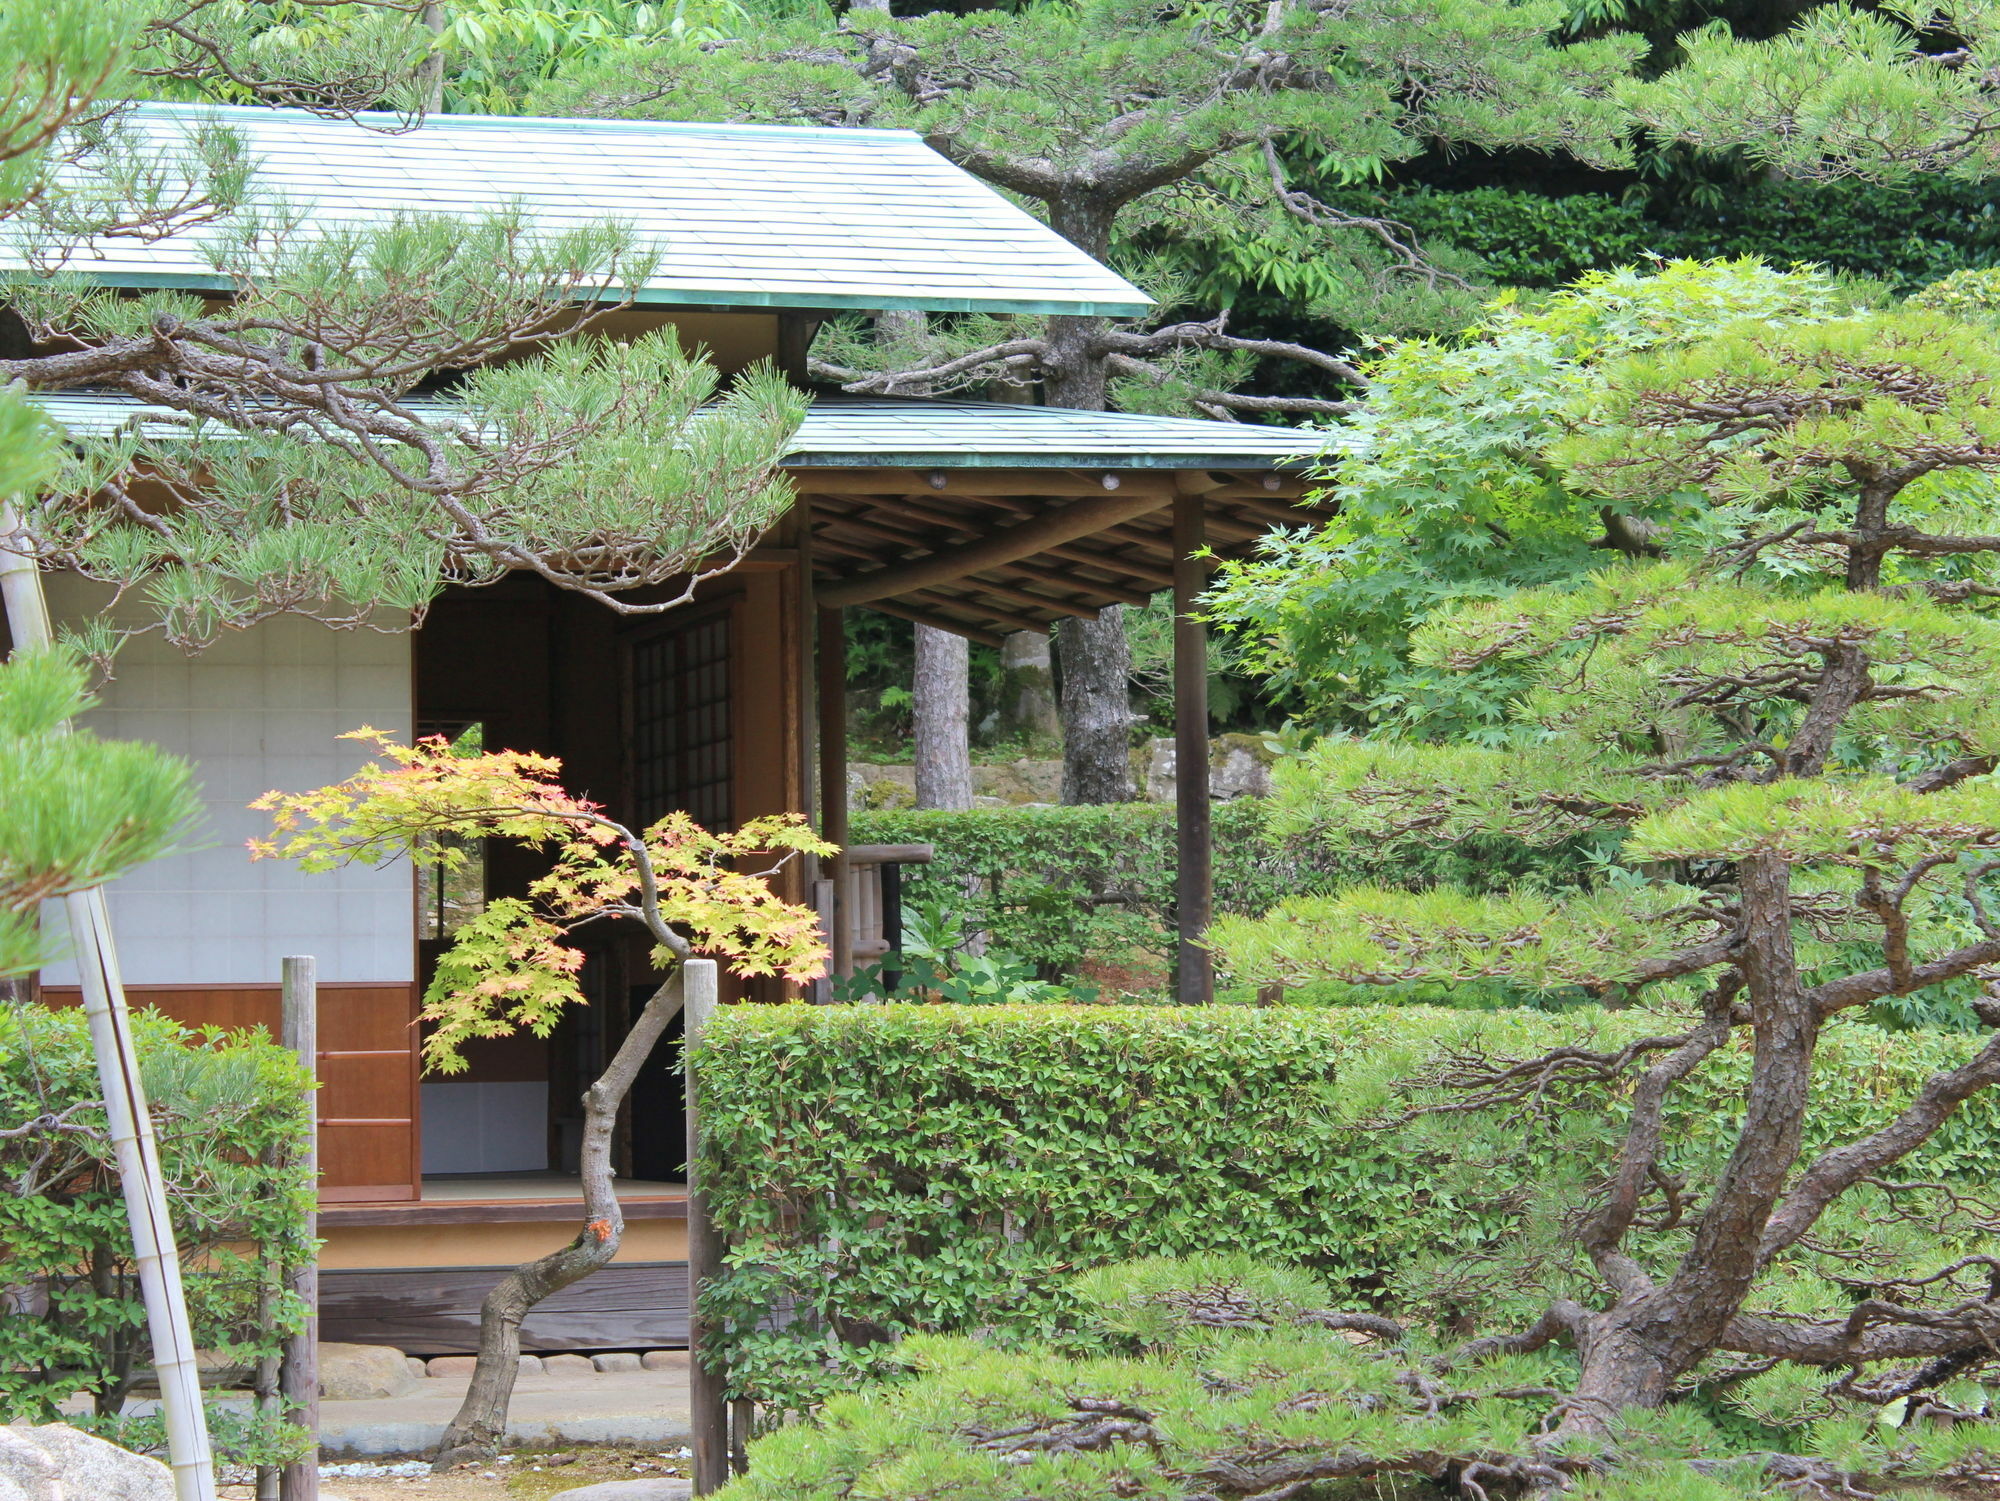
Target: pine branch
(1011,354)
(1223,403)
(1211,335)
(1396,238)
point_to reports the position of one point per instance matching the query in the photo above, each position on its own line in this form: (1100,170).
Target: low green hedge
(229,1112)
(886,1169)
(1068,884)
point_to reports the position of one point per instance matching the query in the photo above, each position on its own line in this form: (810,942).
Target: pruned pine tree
(293,462)
(1115,118)
(1880,92)
(1119,121)
(1781,732)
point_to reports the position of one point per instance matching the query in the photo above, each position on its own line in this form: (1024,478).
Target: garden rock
(356,1373)
(1238,766)
(630,1490)
(55,1462)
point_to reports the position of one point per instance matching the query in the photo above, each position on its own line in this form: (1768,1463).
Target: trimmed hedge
(1067,884)
(887,1169)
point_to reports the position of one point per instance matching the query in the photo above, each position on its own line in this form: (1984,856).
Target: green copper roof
(746,215)
(873,432)
(842,431)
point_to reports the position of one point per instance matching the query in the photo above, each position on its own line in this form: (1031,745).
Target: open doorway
(647,714)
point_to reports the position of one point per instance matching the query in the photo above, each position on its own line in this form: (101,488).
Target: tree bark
(1096,707)
(941,708)
(430,72)
(1635,1351)
(1028,707)
(475,1433)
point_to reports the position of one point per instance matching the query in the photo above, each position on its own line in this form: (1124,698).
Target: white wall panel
(260,709)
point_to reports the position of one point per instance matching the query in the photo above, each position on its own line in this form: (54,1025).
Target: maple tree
(693,890)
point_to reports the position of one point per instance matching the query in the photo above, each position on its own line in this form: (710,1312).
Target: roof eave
(1038,460)
(720,298)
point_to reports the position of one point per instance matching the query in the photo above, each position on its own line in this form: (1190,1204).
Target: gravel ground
(521,1476)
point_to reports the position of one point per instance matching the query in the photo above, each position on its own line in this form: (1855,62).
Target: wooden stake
(1194,885)
(298,1374)
(708,1412)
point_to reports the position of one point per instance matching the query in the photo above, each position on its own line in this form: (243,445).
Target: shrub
(885,1170)
(229,1110)
(1070,884)
(1220,1378)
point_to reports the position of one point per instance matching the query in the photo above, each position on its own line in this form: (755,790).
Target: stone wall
(1238,766)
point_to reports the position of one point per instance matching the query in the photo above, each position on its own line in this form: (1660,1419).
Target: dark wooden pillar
(833,772)
(1194,884)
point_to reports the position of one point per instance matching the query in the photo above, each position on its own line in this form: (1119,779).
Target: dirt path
(526,1476)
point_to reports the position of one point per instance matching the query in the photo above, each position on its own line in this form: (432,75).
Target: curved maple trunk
(475,1433)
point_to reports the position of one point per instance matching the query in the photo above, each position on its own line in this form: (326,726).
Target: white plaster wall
(260,709)
(485,1128)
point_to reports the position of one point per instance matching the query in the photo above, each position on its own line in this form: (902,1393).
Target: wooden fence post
(298,1372)
(708,1412)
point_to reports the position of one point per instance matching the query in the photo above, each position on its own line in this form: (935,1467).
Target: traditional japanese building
(979,518)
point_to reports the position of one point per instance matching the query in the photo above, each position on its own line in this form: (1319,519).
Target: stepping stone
(567,1365)
(350,1373)
(618,1361)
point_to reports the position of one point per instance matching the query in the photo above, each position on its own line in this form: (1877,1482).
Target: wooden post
(833,775)
(298,1373)
(1194,881)
(708,1412)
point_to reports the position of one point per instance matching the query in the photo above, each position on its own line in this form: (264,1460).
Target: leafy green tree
(1780,711)
(1447,496)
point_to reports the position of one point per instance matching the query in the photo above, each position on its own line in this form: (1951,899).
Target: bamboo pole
(298,1373)
(708,1411)
(139,1175)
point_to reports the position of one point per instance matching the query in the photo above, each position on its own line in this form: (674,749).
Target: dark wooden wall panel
(368,1147)
(435,1310)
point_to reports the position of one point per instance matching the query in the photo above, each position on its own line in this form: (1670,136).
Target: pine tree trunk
(1096,708)
(475,1433)
(941,705)
(1028,701)
(1634,1352)
(430,72)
